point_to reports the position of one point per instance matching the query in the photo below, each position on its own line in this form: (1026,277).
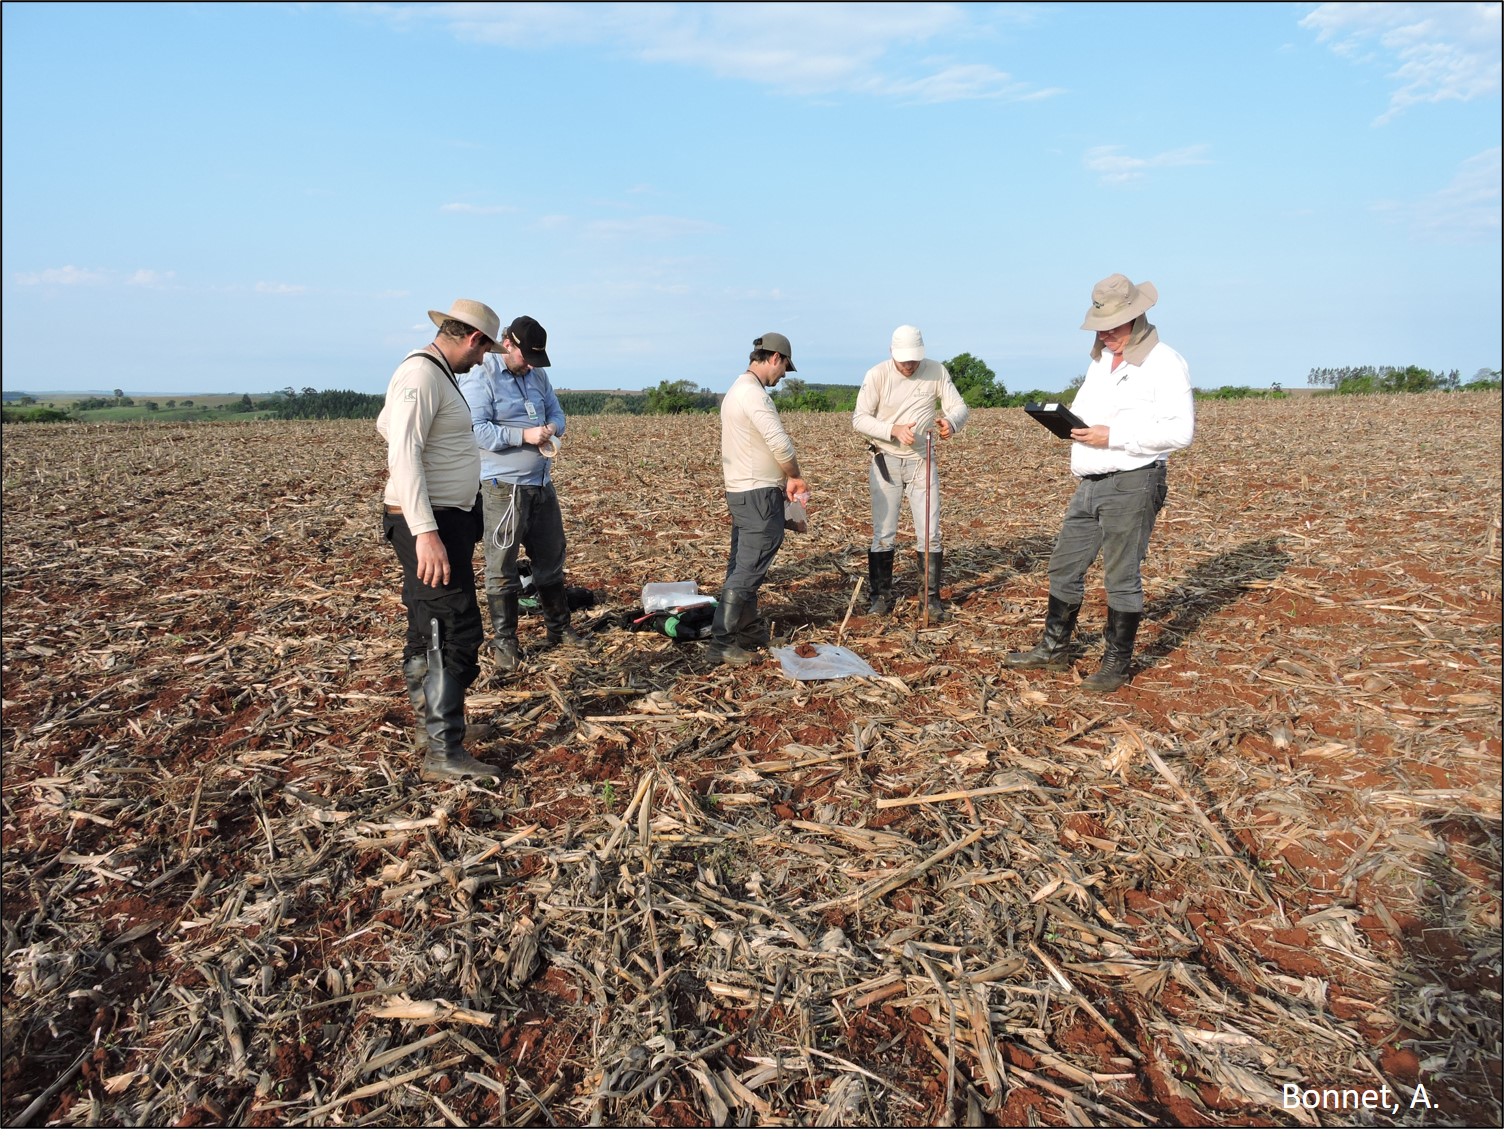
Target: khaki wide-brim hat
(474,314)
(1115,301)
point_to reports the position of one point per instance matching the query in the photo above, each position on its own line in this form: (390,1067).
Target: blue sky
(237,198)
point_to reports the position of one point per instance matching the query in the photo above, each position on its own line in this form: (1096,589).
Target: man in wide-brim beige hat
(432,519)
(1115,300)
(474,315)
(1136,402)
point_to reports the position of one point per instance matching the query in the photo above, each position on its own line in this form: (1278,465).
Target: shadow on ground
(1206,588)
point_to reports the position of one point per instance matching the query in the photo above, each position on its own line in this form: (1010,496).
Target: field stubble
(948,894)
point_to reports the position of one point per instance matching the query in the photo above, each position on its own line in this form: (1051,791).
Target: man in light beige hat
(895,410)
(433,519)
(761,473)
(1137,400)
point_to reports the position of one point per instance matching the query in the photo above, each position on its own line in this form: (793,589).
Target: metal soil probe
(929,460)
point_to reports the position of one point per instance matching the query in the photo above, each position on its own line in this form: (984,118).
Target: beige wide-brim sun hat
(474,314)
(1115,301)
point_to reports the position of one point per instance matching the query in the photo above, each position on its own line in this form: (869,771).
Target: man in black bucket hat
(1136,399)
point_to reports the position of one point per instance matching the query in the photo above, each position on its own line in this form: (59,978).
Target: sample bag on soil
(806,662)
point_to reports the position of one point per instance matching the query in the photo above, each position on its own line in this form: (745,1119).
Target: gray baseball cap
(777,343)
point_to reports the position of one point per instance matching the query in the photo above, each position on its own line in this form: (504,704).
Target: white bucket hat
(472,313)
(908,344)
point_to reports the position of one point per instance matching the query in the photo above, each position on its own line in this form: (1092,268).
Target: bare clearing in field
(949,894)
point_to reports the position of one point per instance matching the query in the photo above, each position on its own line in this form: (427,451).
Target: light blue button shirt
(502,406)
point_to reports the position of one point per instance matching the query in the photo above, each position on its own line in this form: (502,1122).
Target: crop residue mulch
(947,894)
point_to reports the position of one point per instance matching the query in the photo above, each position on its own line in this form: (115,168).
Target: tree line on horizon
(978,384)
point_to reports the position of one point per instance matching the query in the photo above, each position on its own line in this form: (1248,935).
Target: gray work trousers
(522,517)
(904,479)
(1112,515)
(756,535)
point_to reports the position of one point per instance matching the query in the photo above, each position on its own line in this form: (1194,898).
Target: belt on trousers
(1125,471)
(392,509)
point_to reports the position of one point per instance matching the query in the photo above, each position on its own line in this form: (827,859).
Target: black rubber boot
(730,616)
(447,758)
(753,632)
(415,671)
(935,568)
(879,582)
(1118,635)
(1054,649)
(504,632)
(555,606)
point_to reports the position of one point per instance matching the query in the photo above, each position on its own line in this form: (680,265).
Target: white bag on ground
(828,662)
(658,596)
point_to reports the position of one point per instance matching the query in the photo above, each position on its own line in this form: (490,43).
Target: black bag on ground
(687,624)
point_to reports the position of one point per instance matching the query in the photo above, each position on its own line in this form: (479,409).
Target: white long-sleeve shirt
(1148,409)
(754,445)
(888,397)
(430,450)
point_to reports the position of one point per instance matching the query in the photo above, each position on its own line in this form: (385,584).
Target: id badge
(532,410)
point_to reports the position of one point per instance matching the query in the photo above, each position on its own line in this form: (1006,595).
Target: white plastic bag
(828,662)
(658,596)
(795,518)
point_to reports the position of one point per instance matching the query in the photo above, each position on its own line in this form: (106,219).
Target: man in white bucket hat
(895,410)
(432,519)
(1137,401)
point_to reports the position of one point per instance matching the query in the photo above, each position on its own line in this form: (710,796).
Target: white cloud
(1116,168)
(1438,52)
(470,208)
(1464,212)
(151,278)
(957,82)
(278,287)
(64,275)
(649,227)
(829,49)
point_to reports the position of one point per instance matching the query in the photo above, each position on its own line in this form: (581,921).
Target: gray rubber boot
(879,582)
(555,605)
(504,632)
(1053,650)
(730,616)
(447,758)
(1118,635)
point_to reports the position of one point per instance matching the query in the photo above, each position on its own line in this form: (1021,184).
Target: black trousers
(461,630)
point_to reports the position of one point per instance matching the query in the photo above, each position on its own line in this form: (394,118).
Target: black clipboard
(1056,417)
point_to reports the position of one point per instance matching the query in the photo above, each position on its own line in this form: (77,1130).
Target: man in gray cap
(761,473)
(1136,399)
(433,519)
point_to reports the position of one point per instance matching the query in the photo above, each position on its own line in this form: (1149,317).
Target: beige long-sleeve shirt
(431,456)
(888,397)
(754,446)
